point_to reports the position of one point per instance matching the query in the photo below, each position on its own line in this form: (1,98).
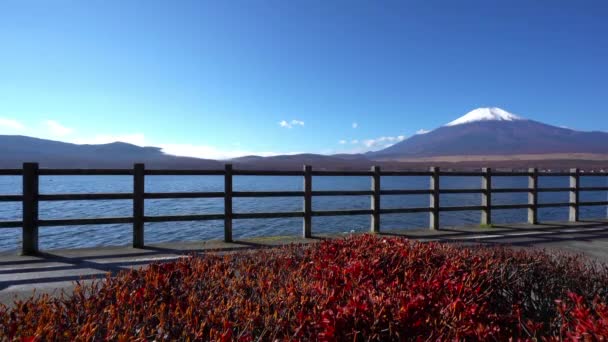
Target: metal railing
(31,197)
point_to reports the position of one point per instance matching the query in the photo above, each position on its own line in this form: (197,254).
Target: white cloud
(57,129)
(291,124)
(210,152)
(382,141)
(422,131)
(355,125)
(369,142)
(365,145)
(11,125)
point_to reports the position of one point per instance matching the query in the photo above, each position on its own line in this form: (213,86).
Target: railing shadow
(54,267)
(452,232)
(550,236)
(66,267)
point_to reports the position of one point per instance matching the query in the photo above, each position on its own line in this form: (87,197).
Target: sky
(220,79)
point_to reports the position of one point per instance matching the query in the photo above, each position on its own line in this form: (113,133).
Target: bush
(357,288)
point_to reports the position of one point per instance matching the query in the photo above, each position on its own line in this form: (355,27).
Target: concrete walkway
(54,271)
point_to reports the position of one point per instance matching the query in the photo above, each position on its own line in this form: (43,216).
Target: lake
(121,234)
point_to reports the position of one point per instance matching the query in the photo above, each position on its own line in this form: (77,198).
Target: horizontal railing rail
(169,172)
(11,224)
(11,198)
(178,195)
(31,197)
(84,172)
(11,172)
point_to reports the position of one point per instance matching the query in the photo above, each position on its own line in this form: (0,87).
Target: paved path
(56,270)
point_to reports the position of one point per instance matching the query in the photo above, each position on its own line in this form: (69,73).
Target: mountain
(18,149)
(489,137)
(296,161)
(492,132)
(15,150)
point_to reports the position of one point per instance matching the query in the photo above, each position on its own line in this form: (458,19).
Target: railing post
(307,225)
(575,180)
(30,209)
(375,200)
(228,203)
(533,196)
(138,205)
(486,196)
(434,213)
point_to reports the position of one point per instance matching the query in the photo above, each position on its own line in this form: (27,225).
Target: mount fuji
(494,131)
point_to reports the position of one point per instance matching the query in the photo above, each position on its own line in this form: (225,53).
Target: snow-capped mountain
(494,131)
(485,114)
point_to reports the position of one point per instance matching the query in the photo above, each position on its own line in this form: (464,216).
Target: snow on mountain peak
(485,114)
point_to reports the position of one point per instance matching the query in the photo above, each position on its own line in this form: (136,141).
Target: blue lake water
(121,234)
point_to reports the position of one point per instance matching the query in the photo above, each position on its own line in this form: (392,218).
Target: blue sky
(217,78)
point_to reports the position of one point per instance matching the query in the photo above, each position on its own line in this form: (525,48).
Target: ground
(56,270)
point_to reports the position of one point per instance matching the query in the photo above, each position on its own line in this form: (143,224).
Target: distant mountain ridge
(296,161)
(16,149)
(494,135)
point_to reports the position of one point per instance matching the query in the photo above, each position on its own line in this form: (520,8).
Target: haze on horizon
(227,79)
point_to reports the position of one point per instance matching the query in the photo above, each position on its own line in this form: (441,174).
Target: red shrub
(357,288)
(581,321)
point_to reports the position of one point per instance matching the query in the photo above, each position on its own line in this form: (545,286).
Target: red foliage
(581,321)
(357,288)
